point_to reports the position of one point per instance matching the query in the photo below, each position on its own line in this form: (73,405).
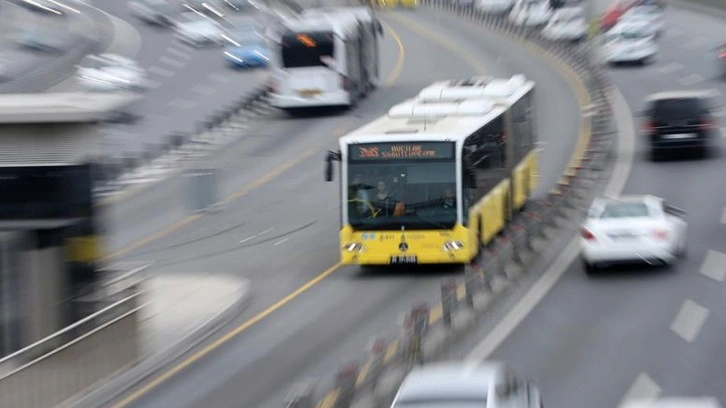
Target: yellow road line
(398,66)
(228,336)
(426,33)
(249,323)
(436,313)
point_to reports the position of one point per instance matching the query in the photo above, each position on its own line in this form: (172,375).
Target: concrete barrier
(45,374)
(428,330)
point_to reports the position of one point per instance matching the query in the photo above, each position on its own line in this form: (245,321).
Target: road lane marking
(643,388)
(267,231)
(620,174)
(204,90)
(670,68)
(181,103)
(228,336)
(221,78)
(723,216)
(400,60)
(171,61)
(162,71)
(714,266)
(691,80)
(696,42)
(178,53)
(280,241)
(689,320)
(248,239)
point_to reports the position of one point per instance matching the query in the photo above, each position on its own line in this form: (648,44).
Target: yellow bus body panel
(83,248)
(426,245)
(409,3)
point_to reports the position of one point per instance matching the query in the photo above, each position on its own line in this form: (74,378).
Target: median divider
(429,328)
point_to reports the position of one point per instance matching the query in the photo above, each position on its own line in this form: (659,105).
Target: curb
(49,75)
(105,392)
(429,328)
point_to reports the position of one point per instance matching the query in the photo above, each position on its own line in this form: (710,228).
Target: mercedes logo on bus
(403,247)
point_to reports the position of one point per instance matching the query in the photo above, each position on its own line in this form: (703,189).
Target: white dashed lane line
(670,68)
(204,90)
(691,80)
(280,241)
(181,104)
(689,320)
(643,388)
(162,71)
(178,53)
(723,213)
(174,63)
(714,266)
(696,42)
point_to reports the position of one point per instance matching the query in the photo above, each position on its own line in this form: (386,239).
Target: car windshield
(386,192)
(569,16)
(96,62)
(192,18)
(625,210)
(625,35)
(677,109)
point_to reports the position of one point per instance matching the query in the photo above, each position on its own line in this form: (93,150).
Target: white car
(531,12)
(198,30)
(455,384)
(567,23)
(674,402)
(110,72)
(630,42)
(494,6)
(633,229)
(651,15)
(152,11)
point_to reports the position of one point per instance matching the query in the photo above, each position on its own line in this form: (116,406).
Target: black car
(676,121)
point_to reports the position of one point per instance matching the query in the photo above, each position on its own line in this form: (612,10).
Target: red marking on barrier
(348,369)
(379,346)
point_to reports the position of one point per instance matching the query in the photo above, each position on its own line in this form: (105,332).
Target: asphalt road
(651,331)
(187,84)
(281,229)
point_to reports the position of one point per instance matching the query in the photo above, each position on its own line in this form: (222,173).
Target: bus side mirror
(379,27)
(332,156)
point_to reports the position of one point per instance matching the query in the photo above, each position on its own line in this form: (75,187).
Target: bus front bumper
(339,98)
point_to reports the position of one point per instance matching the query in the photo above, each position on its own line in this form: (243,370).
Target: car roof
(449,379)
(629,198)
(696,94)
(675,402)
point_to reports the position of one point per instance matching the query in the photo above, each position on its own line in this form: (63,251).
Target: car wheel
(655,155)
(590,269)
(682,249)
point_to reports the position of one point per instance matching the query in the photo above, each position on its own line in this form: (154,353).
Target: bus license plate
(404,259)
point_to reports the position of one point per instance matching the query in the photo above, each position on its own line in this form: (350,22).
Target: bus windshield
(306,49)
(414,194)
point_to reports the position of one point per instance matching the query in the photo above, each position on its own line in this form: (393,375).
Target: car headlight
(353,247)
(453,246)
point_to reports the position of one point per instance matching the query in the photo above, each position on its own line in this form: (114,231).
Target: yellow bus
(392,4)
(440,175)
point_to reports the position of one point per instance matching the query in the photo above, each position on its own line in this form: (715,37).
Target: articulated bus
(440,175)
(327,57)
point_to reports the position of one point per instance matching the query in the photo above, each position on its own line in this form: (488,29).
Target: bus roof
(445,110)
(339,22)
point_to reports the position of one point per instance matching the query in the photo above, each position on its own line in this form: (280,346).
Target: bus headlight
(453,246)
(353,247)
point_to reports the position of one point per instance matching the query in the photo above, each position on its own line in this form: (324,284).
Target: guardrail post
(448,300)
(418,321)
(472,283)
(377,352)
(345,382)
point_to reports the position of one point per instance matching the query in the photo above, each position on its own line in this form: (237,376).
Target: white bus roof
(437,122)
(62,107)
(445,110)
(339,22)
(501,90)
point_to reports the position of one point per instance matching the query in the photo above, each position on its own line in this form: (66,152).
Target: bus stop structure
(50,228)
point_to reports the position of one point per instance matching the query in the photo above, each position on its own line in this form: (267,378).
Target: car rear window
(677,108)
(625,210)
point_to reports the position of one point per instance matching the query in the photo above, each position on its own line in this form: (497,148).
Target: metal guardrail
(48,372)
(428,328)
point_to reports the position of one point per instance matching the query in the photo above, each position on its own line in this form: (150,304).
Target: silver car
(460,385)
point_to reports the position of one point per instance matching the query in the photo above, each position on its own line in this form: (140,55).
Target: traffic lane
(553,93)
(591,332)
(271,141)
(287,345)
(276,270)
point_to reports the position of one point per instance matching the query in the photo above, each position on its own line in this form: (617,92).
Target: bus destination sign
(397,151)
